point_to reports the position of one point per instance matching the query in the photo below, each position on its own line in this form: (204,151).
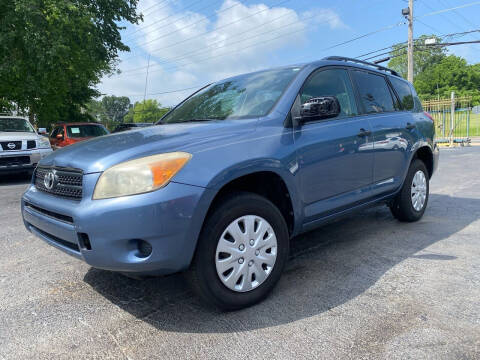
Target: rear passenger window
(331,82)
(374,91)
(416,101)
(404,93)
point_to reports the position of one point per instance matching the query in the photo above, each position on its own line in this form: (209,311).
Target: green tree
(147,111)
(54,52)
(423,56)
(451,74)
(115,107)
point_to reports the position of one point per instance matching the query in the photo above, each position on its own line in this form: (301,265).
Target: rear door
(391,139)
(335,162)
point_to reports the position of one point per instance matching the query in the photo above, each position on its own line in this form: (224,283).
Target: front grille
(68,182)
(11,145)
(14,160)
(31,144)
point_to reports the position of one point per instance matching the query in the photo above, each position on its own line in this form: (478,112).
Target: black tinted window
(374,91)
(404,93)
(416,101)
(331,82)
(80,131)
(55,132)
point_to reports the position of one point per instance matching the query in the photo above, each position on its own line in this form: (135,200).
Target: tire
(258,277)
(404,208)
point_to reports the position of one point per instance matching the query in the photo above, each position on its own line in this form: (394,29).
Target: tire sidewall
(232,209)
(406,198)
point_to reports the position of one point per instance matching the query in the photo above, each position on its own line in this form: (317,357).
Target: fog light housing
(144,249)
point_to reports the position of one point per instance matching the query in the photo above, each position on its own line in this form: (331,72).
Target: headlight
(140,176)
(43,143)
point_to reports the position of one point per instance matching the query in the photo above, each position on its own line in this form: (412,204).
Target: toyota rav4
(225,179)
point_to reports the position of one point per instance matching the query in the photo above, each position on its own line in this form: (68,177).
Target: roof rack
(379,67)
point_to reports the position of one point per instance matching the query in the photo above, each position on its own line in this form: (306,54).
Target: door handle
(364,133)
(410,126)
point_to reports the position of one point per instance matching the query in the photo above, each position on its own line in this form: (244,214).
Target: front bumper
(168,219)
(31,157)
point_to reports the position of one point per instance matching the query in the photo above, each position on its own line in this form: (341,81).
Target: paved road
(365,287)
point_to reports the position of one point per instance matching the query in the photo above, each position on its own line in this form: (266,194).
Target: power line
(458,34)
(426,46)
(450,9)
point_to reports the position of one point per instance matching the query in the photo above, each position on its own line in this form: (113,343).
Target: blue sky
(194,42)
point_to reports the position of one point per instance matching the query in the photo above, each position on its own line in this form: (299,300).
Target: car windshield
(244,96)
(80,131)
(15,125)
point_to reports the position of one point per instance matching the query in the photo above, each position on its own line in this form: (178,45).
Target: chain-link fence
(455,122)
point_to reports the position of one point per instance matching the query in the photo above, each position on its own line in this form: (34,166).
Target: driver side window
(331,82)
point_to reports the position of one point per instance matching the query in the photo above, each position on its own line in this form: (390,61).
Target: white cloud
(189,48)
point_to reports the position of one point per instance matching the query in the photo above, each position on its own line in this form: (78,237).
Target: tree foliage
(450,74)
(54,52)
(436,74)
(110,111)
(147,111)
(423,56)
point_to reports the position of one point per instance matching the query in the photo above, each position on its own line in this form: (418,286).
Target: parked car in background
(21,148)
(234,172)
(130,126)
(70,133)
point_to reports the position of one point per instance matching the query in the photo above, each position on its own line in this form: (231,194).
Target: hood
(17,136)
(98,154)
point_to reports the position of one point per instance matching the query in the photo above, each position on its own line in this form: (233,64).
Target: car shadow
(328,267)
(8,179)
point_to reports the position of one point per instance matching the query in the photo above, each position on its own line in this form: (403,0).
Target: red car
(71,133)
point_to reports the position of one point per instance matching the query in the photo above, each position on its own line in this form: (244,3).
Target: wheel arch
(265,182)
(425,154)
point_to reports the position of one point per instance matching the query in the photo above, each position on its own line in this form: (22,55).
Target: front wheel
(410,203)
(241,253)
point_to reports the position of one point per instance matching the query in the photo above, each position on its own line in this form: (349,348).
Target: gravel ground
(364,287)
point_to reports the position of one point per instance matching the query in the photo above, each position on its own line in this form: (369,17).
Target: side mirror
(42,131)
(59,136)
(319,108)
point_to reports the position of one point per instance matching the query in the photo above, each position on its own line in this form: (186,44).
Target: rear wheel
(241,253)
(410,203)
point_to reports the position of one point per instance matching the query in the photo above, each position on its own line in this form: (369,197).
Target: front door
(335,156)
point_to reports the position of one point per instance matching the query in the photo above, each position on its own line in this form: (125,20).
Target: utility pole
(410,41)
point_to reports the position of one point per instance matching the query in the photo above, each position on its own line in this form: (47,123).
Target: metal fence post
(468,122)
(452,117)
(443,119)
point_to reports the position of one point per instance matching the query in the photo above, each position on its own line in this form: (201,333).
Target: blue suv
(224,180)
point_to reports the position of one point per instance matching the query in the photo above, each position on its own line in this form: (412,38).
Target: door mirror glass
(319,108)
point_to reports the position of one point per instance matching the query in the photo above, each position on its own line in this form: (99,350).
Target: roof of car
(335,60)
(77,123)
(134,124)
(12,117)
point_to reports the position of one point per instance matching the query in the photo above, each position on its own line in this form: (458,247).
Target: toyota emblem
(11,146)
(50,179)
